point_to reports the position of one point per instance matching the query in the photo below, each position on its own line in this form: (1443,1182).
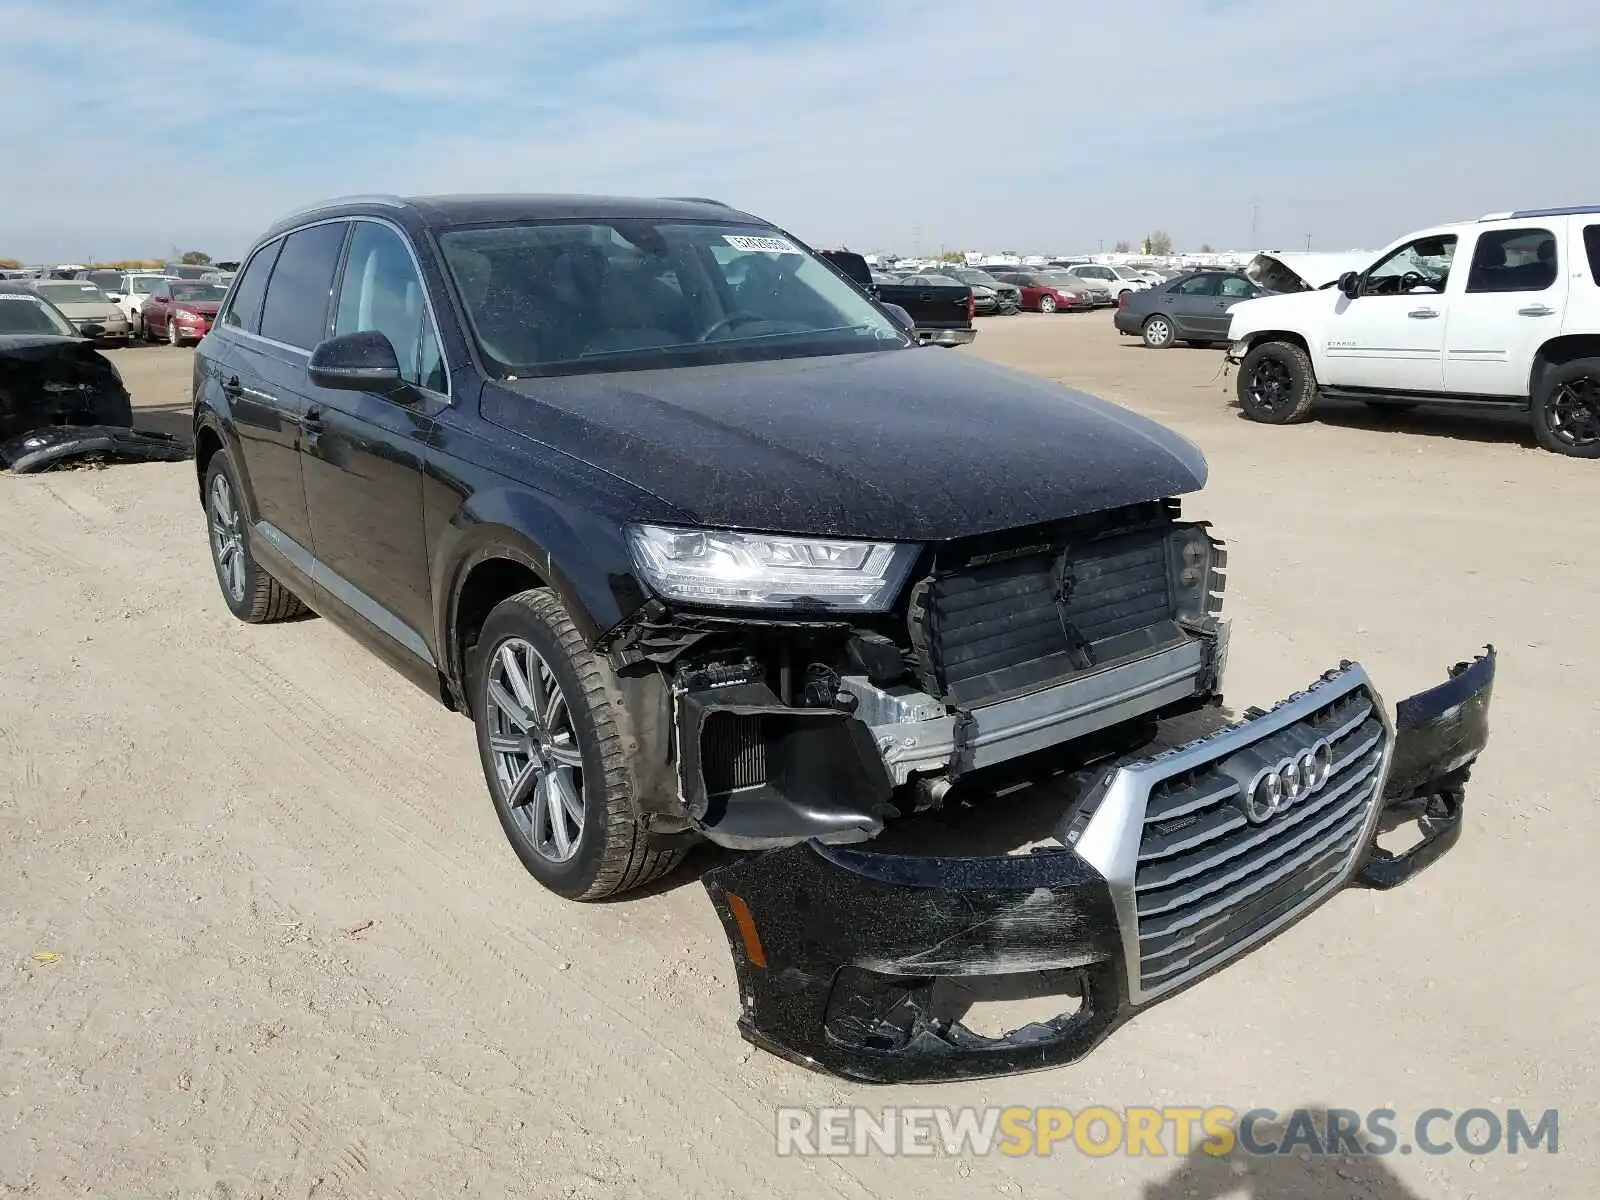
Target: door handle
(232,388)
(1536,310)
(1423,313)
(311,420)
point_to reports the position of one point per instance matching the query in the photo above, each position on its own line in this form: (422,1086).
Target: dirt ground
(294,957)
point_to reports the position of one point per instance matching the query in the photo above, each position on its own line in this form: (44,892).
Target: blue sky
(1033,124)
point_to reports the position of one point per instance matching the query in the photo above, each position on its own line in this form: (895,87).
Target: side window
(381,293)
(1591,247)
(244,309)
(1513,260)
(295,311)
(1422,265)
(1235,287)
(1200,285)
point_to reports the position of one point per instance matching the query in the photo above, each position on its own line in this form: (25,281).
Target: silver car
(85,305)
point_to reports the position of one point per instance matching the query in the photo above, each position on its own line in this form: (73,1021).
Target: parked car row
(127,306)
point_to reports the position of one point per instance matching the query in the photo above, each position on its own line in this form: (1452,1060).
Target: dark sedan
(1007,296)
(1191,308)
(50,372)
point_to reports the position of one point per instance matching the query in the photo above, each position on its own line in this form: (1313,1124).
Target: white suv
(1116,280)
(1497,313)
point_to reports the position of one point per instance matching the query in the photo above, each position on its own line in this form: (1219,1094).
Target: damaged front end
(1164,869)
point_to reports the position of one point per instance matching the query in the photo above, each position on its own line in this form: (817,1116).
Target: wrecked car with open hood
(708,549)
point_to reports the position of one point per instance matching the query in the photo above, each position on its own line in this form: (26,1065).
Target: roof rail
(698,200)
(1527,213)
(384,199)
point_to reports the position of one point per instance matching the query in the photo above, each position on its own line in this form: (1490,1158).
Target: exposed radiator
(997,628)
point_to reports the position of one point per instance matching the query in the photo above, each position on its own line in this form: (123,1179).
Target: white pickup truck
(1503,312)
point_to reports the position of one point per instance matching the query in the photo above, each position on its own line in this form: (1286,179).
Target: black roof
(507,207)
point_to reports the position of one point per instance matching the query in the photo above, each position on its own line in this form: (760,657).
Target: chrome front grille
(1195,881)
(1208,878)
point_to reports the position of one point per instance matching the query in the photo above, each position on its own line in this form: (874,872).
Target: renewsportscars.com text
(1099,1131)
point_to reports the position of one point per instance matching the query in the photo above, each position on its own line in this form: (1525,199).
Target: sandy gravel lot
(296,958)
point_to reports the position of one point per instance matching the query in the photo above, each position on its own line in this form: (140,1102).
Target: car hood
(206,308)
(911,445)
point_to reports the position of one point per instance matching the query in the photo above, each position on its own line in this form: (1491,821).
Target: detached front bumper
(1163,874)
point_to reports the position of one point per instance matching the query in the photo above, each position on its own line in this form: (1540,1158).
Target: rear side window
(1200,285)
(244,310)
(1591,246)
(295,311)
(1513,260)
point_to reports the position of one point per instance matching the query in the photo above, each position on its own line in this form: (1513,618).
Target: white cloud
(1036,123)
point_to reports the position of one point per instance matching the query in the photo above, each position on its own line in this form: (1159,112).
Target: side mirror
(92,330)
(902,318)
(1350,284)
(356,362)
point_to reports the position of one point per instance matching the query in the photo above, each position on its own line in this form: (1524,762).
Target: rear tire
(251,594)
(1158,332)
(1566,409)
(1277,385)
(542,703)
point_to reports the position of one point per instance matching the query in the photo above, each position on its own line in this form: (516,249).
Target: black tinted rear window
(296,308)
(244,311)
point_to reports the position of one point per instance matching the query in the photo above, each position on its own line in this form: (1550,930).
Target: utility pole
(1102,245)
(1255,213)
(1308,243)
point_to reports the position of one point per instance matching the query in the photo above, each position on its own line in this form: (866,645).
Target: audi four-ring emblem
(1287,782)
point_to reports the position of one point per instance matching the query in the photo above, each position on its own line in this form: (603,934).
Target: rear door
(362,452)
(1193,304)
(1511,301)
(268,384)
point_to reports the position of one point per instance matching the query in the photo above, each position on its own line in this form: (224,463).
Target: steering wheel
(727,322)
(1412,279)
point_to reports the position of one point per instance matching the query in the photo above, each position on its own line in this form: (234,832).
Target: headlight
(183,314)
(1193,559)
(757,570)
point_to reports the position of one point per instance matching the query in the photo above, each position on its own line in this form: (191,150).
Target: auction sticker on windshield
(761,245)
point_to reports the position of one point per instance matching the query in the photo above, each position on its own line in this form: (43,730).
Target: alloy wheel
(1271,384)
(227,539)
(1047,304)
(534,744)
(1575,412)
(1157,331)
(172,333)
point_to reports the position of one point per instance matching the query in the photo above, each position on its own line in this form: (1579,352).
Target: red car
(1048,291)
(181,310)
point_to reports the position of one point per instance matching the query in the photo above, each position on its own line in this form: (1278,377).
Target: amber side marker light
(747,930)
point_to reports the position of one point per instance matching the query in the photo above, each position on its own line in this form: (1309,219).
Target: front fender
(582,557)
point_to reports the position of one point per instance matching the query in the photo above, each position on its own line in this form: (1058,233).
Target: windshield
(1061,278)
(981,278)
(77,292)
(561,297)
(29,314)
(198,293)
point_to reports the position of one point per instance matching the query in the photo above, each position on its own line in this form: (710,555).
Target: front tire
(1277,385)
(251,594)
(552,754)
(1047,304)
(174,338)
(1566,409)
(1158,332)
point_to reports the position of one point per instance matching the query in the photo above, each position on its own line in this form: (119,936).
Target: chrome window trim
(427,296)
